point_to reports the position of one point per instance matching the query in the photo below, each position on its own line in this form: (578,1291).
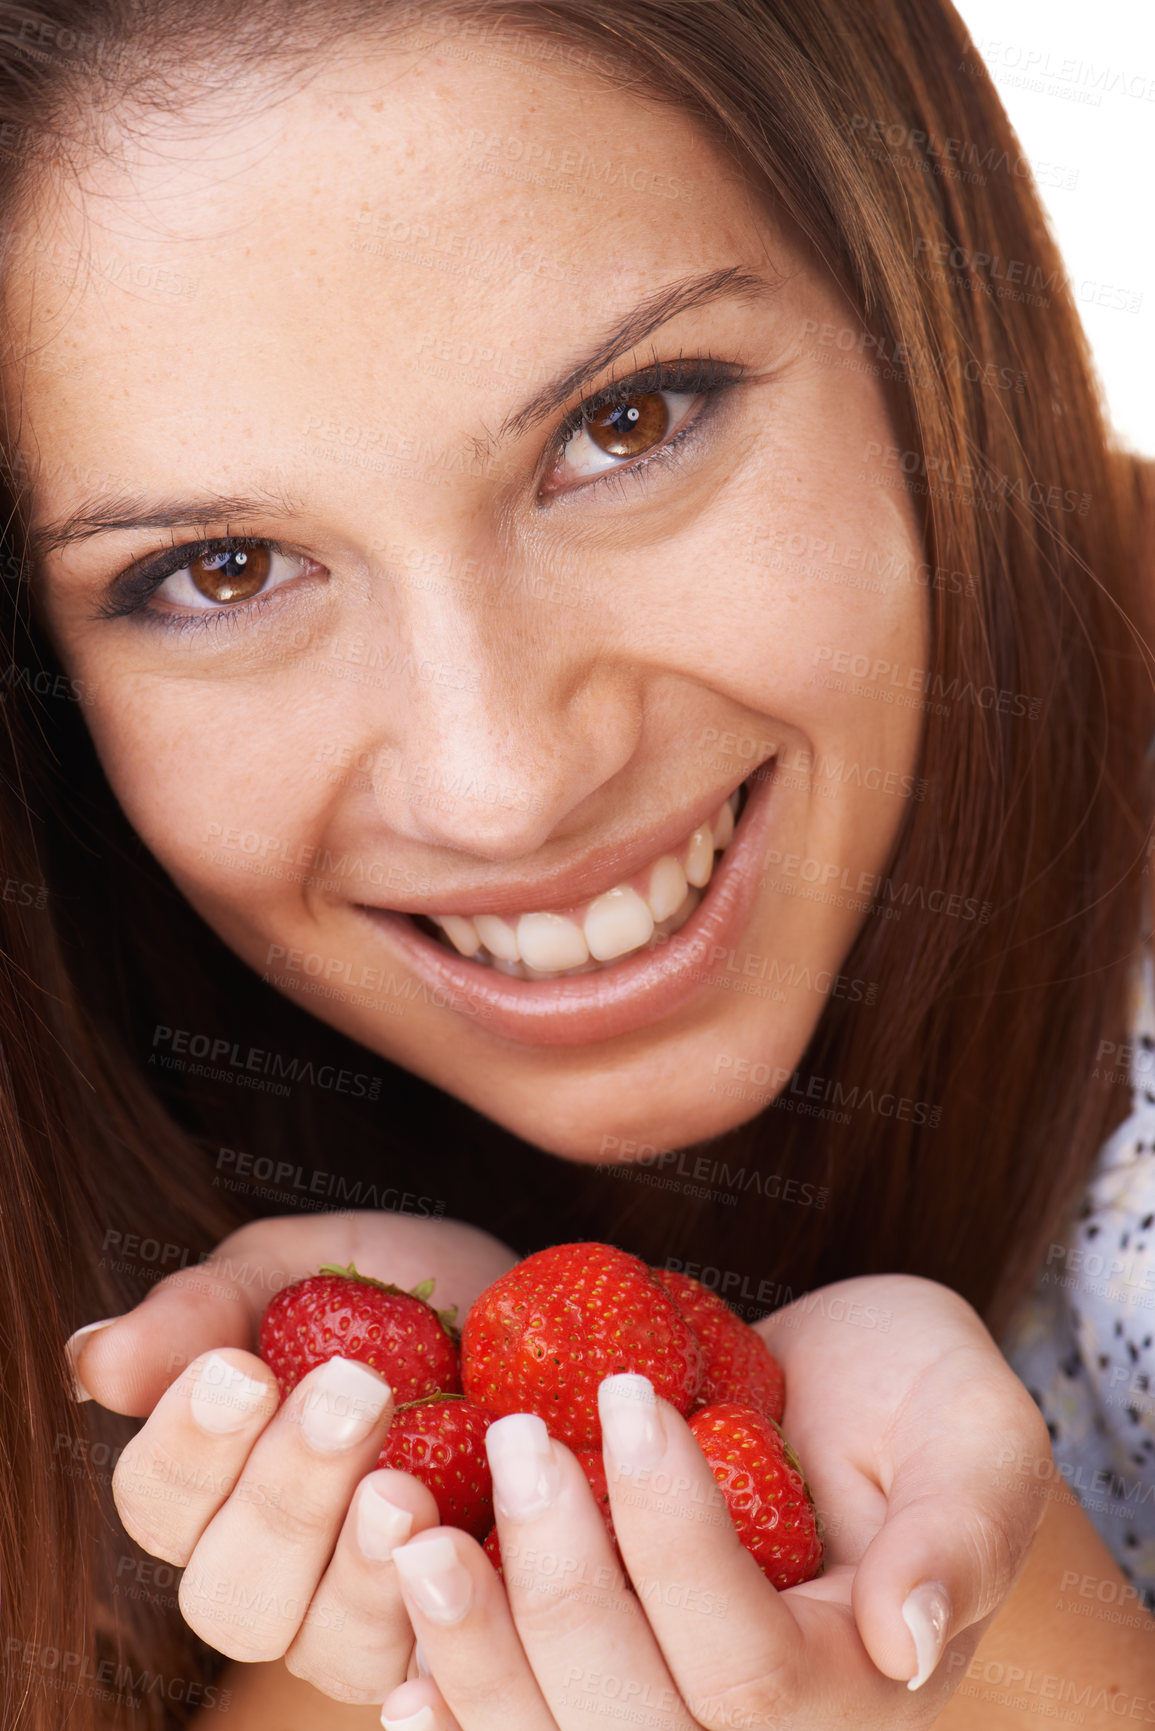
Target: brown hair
(877,130)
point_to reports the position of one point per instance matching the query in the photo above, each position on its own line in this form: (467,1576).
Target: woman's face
(496,662)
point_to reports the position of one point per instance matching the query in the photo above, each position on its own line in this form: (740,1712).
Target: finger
(583,1631)
(461,1617)
(250,1580)
(357,1640)
(739,1652)
(959,1529)
(418,1706)
(180,1467)
(127,1363)
(714,1613)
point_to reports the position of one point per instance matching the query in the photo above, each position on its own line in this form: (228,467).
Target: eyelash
(701,376)
(136,588)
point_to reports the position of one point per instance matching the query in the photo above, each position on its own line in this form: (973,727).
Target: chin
(637,1129)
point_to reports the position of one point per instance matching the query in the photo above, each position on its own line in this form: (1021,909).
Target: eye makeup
(131,593)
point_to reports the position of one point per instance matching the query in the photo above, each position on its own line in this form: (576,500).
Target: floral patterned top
(1084,1341)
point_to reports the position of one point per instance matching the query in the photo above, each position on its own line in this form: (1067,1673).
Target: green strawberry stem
(423,1292)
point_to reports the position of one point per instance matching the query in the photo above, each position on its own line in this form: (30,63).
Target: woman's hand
(273,1510)
(901,1430)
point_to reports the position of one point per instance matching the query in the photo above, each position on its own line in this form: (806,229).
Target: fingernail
(422,1720)
(224,1399)
(420,1660)
(438,1582)
(526,1479)
(631,1422)
(381,1525)
(72,1351)
(341,1405)
(926,1613)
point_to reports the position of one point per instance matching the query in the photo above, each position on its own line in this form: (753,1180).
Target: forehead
(270,250)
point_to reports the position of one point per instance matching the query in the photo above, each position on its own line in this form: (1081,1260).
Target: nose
(510,720)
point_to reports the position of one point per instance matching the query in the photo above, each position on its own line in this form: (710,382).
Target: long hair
(946,1110)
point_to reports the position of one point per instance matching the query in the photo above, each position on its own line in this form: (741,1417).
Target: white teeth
(723,825)
(616,923)
(699,862)
(550,941)
(667,888)
(546,945)
(498,936)
(461,933)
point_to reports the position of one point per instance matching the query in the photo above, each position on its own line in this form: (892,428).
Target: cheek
(216,785)
(799,572)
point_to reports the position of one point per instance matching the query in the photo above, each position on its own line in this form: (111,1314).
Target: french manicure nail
(341,1405)
(631,1422)
(526,1479)
(72,1348)
(421,1662)
(422,1720)
(381,1525)
(224,1399)
(438,1582)
(926,1613)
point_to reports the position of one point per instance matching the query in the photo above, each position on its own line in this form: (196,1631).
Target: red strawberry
(593,1466)
(768,1498)
(342,1313)
(739,1365)
(442,1442)
(543,1336)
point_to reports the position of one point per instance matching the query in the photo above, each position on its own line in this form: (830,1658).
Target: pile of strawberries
(540,1340)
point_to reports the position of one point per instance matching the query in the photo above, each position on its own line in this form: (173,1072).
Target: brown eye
(235,575)
(628,428)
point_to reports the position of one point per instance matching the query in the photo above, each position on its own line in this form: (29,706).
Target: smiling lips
(639,913)
(618,997)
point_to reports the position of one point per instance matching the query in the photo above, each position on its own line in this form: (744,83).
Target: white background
(1102,130)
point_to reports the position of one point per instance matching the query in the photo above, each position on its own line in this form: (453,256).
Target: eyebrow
(122,511)
(125,511)
(657,309)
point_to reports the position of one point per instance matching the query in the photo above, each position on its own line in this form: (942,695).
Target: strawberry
(441,1441)
(342,1313)
(739,1365)
(761,1479)
(543,1336)
(592,1465)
